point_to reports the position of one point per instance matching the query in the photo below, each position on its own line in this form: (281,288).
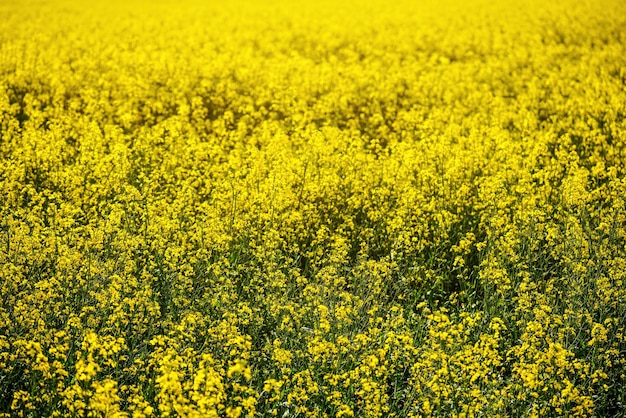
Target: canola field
(402,208)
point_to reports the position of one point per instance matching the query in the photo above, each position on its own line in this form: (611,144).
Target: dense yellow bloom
(331,209)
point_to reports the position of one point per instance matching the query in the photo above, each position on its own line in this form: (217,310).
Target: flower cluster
(332,209)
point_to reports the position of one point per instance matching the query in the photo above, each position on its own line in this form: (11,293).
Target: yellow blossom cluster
(372,208)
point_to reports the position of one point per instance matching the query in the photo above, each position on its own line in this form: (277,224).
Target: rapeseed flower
(389,208)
